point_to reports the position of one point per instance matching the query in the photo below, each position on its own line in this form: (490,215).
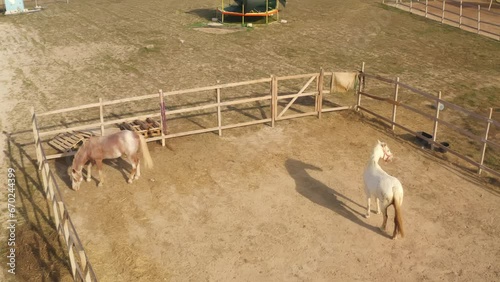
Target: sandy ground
(258,203)
(10,58)
(285,204)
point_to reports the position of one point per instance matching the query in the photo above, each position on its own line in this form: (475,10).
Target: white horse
(384,188)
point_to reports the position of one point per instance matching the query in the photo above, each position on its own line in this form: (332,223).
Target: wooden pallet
(69,141)
(147,128)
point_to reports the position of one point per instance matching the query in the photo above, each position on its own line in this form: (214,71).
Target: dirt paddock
(258,203)
(284,204)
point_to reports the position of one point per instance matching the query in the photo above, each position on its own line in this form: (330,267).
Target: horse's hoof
(136,177)
(88,180)
(129,181)
(99,185)
(367,215)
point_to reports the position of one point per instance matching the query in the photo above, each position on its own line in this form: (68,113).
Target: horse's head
(76,177)
(383,152)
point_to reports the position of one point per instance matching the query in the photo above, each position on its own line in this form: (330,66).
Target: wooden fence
(81,269)
(313,87)
(467,16)
(280,103)
(316,81)
(396,102)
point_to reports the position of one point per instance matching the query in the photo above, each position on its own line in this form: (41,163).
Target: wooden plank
(81,127)
(219,114)
(319,97)
(297,116)
(297,95)
(153,123)
(142,124)
(246,123)
(305,94)
(83,107)
(378,77)
(180,134)
(487,131)
(436,120)
(243,101)
(101,116)
(394,106)
(214,87)
(325,110)
(289,77)
(130,119)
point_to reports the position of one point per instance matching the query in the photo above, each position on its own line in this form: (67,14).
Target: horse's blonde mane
(80,154)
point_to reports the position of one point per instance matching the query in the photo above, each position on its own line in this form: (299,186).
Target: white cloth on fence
(343,81)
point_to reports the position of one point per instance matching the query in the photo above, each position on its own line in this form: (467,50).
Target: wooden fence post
(46,179)
(394,106)
(442,15)
(101,116)
(483,151)
(360,86)
(219,115)
(434,131)
(411,5)
(37,140)
(478,18)
(163,119)
(460,16)
(319,97)
(426,7)
(275,94)
(273,101)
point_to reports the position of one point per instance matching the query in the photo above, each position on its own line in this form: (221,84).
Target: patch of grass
(198,24)
(480,99)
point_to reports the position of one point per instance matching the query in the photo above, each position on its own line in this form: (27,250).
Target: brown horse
(98,148)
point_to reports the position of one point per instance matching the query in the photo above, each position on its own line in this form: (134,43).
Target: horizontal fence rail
(81,267)
(436,100)
(309,89)
(467,16)
(278,99)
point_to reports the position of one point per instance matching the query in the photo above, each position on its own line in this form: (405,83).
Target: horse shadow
(320,194)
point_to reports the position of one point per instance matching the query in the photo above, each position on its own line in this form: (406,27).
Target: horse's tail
(145,152)
(398,202)
(399,218)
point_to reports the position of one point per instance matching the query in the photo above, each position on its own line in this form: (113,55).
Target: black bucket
(424,141)
(446,145)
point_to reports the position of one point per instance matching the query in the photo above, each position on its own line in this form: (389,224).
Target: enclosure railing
(81,269)
(315,87)
(436,99)
(479,19)
(80,265)
(273,97)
